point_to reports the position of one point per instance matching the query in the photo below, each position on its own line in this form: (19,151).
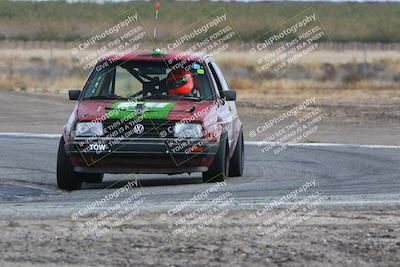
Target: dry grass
(319,56)
(300,90)
(30,69)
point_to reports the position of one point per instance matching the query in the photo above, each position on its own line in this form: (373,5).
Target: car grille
(151,129)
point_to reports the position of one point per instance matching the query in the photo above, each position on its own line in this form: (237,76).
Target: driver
(179,82)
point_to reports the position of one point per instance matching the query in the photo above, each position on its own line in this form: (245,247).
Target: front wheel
(67,178)
(93,178)
(237,160)
(220,165)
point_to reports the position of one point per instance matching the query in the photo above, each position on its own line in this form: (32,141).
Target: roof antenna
(157,6)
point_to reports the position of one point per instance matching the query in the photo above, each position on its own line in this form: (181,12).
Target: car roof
(157,56)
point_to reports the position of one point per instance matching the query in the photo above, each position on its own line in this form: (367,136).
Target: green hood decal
(132,110)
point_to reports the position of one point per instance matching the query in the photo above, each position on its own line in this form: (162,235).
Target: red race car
(151,112)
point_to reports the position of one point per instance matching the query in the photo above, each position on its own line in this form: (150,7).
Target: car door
(228,108)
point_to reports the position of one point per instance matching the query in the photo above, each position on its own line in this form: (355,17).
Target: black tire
(93,178)
(218,170)
(236,164)
(67,178)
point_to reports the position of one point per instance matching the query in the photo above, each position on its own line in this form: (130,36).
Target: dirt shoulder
(33,113)
(330,238)
(358,116)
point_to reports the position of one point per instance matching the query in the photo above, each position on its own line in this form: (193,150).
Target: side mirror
(230,95)
(74,94)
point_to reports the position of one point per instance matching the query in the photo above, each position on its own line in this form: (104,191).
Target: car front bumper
(149,155)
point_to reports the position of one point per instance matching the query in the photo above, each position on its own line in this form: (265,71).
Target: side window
(99,84)
(223,83)
(217,82)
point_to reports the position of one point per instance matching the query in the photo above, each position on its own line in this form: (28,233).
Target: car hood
(156,109)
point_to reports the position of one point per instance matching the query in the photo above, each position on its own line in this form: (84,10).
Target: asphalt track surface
(344,174)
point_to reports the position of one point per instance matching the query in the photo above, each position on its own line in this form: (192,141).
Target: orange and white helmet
(179,82)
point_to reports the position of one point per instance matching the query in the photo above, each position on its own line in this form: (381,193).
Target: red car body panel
(214,118)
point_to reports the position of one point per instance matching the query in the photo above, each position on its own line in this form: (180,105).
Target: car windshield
(148,80)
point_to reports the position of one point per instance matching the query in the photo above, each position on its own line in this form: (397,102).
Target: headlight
(187,130)
(89,129)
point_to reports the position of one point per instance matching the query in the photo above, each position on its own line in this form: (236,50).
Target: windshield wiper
(101,97)
(155,97)
(195,98)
